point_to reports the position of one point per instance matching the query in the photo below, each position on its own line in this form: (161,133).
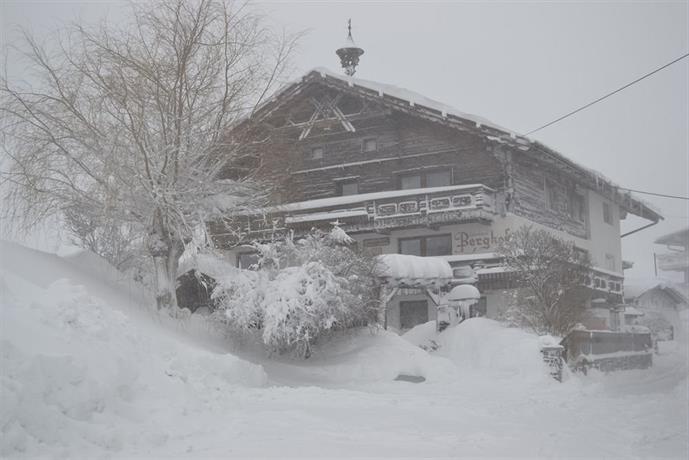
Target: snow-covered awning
(413,271)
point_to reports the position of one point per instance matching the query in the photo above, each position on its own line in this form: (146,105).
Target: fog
(518,64)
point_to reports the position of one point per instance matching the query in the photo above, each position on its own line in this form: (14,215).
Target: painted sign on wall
(469,242)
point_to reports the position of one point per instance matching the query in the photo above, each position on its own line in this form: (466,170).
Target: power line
(608,95)
(656,194)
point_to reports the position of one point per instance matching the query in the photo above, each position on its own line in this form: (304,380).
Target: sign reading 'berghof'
(470,242)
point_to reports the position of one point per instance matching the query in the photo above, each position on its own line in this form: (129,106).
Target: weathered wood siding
(535,184)
(404,145)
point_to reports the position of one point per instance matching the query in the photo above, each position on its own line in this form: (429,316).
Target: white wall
(605,238)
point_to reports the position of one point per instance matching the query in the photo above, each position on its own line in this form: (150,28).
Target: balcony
(378,211)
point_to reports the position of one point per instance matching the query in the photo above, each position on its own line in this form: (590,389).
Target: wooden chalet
(402,173)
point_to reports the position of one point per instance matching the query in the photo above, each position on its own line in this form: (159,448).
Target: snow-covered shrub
(239,296)
(301,291)
(302,303)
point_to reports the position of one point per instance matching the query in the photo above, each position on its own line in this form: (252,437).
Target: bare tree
(130,124)
(551,275)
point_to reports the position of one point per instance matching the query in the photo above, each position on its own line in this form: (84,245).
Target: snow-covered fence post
(552,356)
(552,353)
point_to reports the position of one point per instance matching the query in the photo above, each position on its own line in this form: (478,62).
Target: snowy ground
(88,370)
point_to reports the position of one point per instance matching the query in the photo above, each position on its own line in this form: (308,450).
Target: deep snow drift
(88,370)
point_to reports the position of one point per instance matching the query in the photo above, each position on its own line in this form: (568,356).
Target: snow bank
(484,345)
(81,373)
(423,335)
(366,356)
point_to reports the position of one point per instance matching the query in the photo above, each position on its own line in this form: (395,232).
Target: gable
(318,110)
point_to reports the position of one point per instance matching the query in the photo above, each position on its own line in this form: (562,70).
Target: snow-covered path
(85,373)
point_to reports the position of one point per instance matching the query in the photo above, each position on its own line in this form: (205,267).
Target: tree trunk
(166,248)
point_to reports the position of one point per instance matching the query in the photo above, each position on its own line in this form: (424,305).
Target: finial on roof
(349,54)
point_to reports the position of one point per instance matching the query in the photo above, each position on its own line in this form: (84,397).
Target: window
(410,181)
(550,195)
(317,153)
(438,179)
(247,260)
(436,245)
(348,188)
(411,246)
(607,213)
(424,180)
(413,313)
(369,145)
(610,262)
(577,209)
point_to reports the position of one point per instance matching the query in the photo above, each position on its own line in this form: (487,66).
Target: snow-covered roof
(406,269)
(463,292)
(678,238)
(637,288)
(412,97)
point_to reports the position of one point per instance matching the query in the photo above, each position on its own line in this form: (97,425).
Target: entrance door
(413,312)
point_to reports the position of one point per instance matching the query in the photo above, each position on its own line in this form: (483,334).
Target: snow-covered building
(661,305)
(404,174)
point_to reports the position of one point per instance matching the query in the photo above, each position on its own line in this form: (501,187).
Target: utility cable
(608,95)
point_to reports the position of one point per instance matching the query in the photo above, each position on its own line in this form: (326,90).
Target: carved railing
(374,211)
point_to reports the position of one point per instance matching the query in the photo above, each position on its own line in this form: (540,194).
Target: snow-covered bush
(301,291)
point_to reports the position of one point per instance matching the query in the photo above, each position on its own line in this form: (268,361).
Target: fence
(607,350)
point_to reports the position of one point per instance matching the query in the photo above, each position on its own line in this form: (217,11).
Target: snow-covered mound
(365,356)
(485,345)
(423,335)
(81,370)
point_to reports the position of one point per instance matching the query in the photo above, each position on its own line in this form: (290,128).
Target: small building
(664,306)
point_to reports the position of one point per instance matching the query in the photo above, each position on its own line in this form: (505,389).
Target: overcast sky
(518,64)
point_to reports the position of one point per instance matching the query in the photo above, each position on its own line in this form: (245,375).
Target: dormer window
(369,145)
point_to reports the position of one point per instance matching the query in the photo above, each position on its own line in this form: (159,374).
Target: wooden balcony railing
(375,211)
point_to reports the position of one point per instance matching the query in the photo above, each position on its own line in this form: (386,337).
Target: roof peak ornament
(350,53)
